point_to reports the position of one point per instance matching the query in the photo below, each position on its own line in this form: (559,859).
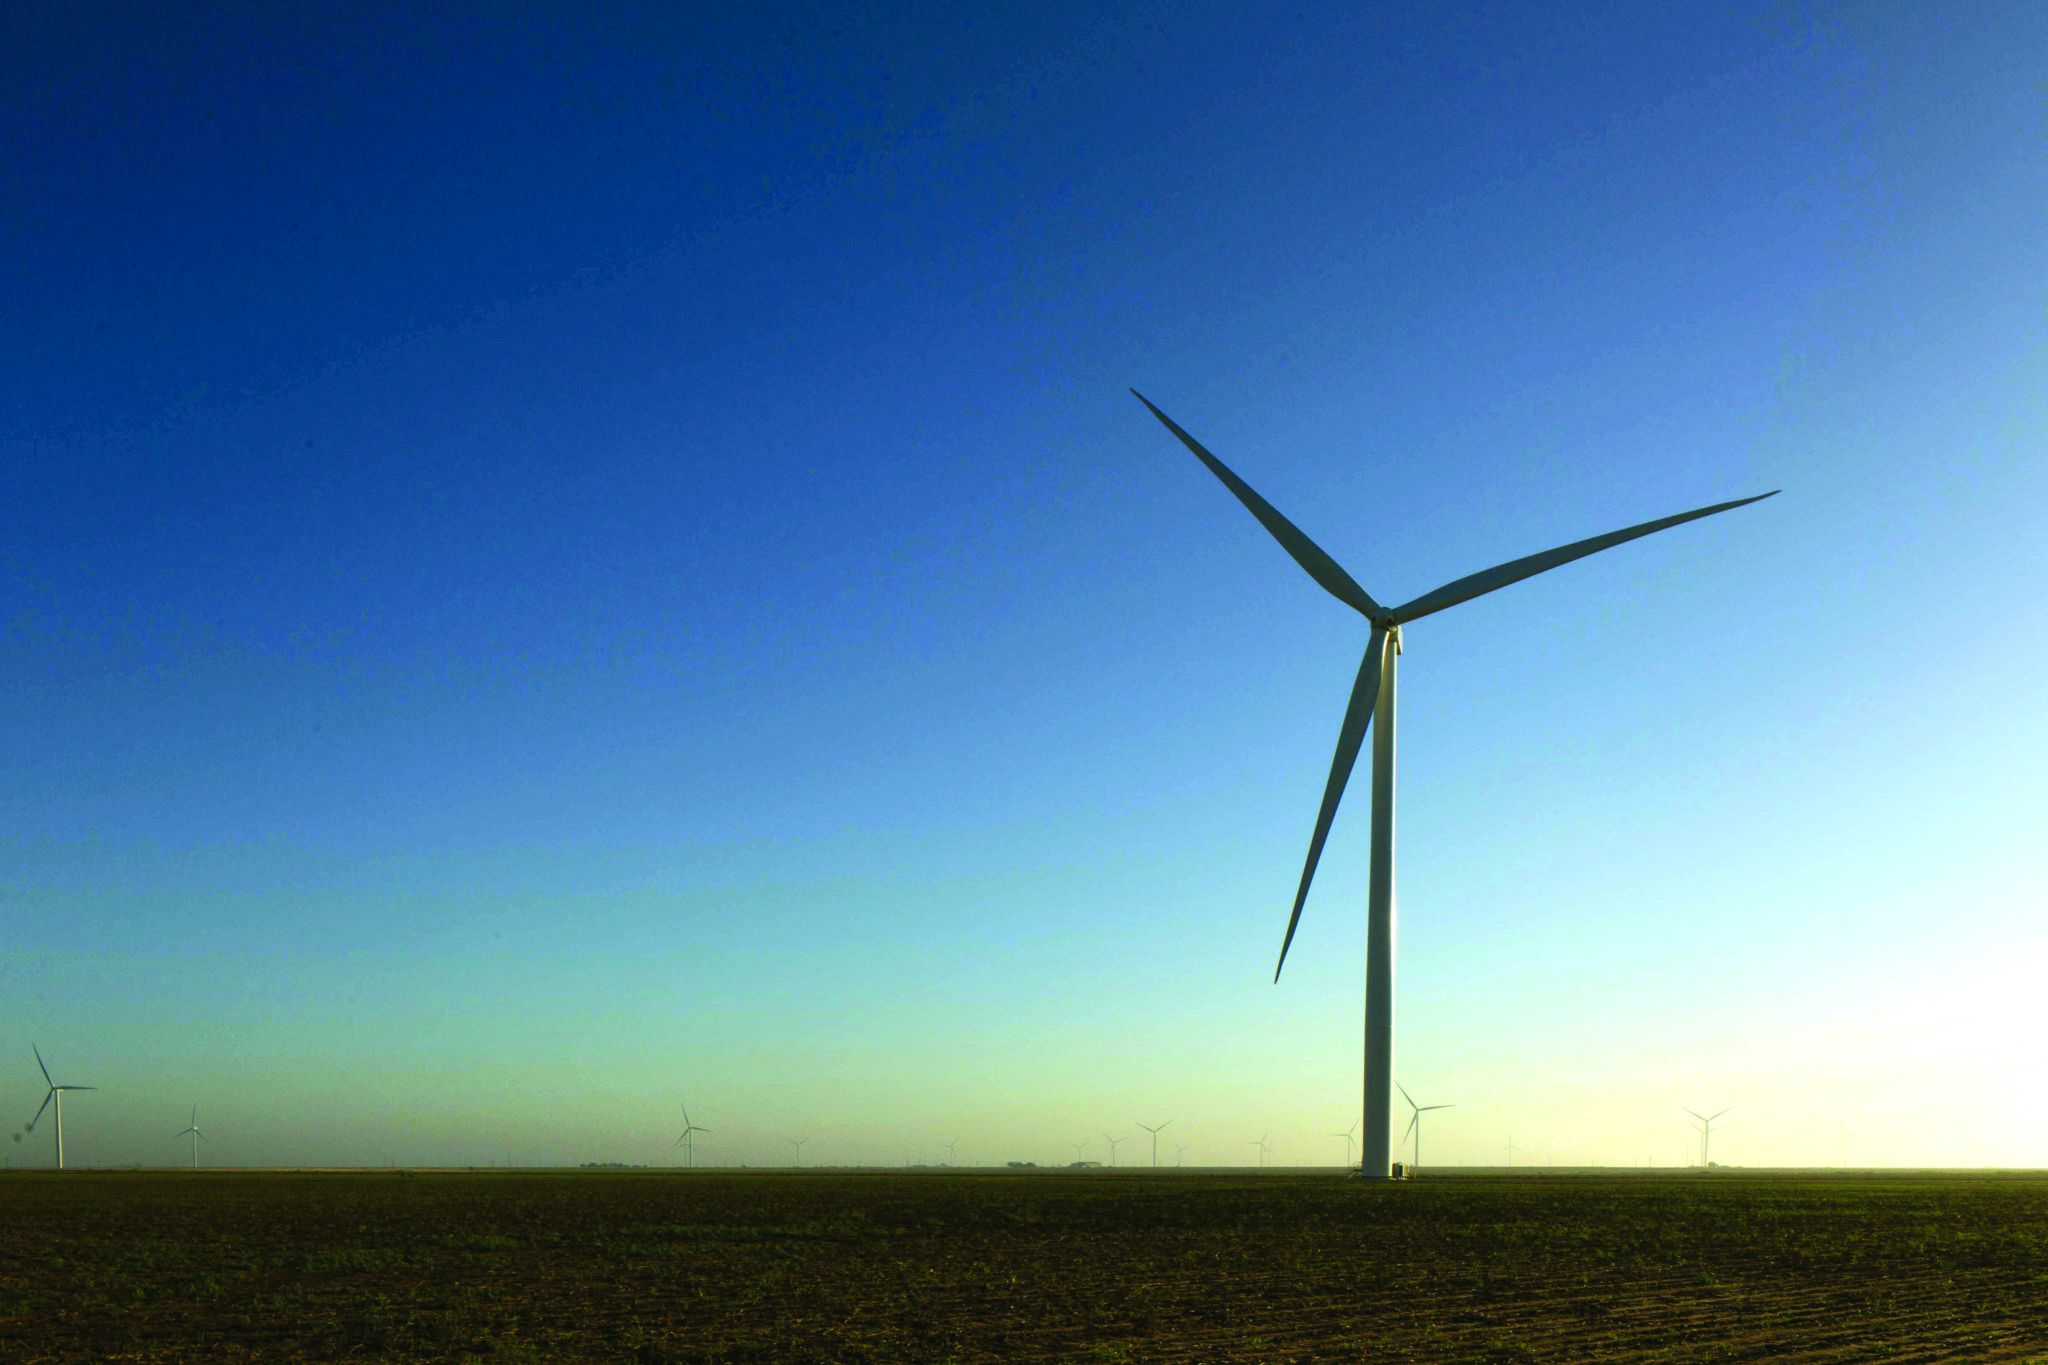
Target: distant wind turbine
(55,1095)
(798,1143)
(952,1153)
(1706,1131)
(1155,1138)
(1264,1150)
(1178,1148)
(1347,1135)
(197,1136)
(1511,1151)
(1372,697)
(688,1141)
(1415,1122)
(1114,1143)
(1079,1147)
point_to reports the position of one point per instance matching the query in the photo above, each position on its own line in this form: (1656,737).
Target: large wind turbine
(1155,1137)
(1415,1121)
(55,1095)
(197,1136)
(1372,698)
(688,1140)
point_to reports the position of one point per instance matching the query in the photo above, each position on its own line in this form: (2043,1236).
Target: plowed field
(1083,1267)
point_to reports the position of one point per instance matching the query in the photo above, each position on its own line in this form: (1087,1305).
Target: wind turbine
(798,1143)
(55,1095)
(1078,1147)
(1511,1151)
(1178,1149)
(1155,1138)
(688,1140)
(197,1136)
(952,1155)
(1264,1150)
(1347,1136)
(1706,1132)
(1415,1121)
(1114,1143)
(1372,697)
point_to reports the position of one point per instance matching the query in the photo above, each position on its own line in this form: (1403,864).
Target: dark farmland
(515,1266)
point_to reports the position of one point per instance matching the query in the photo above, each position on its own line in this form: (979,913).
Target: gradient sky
(553,568)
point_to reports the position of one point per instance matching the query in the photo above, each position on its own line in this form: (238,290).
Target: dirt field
(1094,1268)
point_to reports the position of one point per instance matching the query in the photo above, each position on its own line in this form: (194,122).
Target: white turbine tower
(688,1140)
(1155,1137)
(1415,1122)
(197,1136)
(55,1095)
(1706,1131)
(1372,699)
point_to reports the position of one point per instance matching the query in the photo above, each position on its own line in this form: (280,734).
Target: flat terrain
(758,1266)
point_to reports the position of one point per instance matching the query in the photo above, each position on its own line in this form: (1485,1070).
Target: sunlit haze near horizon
(562,565)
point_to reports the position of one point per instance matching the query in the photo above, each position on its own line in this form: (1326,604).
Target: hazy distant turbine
(54,1095)
(1415,1123)
(1114,1143)
(1372,697)
(197,1136)
(1347,1135)
(798,1143)
(688,1140)
(1706,1131)
(1155,1139)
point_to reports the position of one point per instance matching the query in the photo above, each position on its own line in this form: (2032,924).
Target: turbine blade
(39,1111)
(1365,694)
(1413,1119)
(1304,551)
(1404,1094)
(1514,571)
(39,1062)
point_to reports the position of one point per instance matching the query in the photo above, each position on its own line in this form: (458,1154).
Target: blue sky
(558,566)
